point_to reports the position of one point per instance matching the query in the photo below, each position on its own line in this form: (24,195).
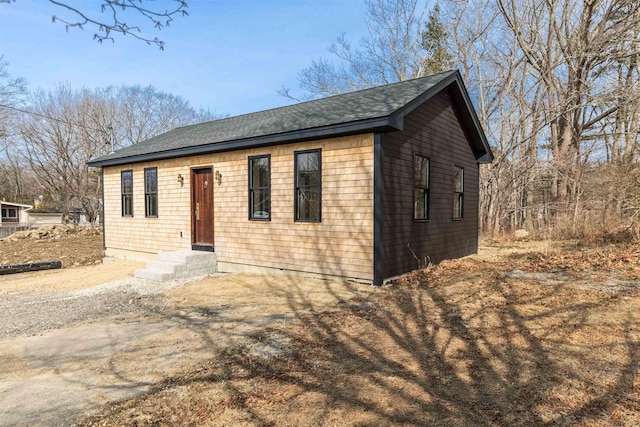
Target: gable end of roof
(464,109)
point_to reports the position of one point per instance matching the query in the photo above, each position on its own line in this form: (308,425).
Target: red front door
(202,209)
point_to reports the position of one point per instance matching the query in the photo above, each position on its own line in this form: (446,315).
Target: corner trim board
(378,206)
(102,218)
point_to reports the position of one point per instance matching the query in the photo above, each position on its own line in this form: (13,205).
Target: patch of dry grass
(520,337)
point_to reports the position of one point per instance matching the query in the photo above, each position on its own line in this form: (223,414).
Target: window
(420,187)
(308,185)
(260,187)
(9,213)
(458,192)
(151,192)
(126,178)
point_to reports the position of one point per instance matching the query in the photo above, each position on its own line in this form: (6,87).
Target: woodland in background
(47,138)
(556,87)
(555,84)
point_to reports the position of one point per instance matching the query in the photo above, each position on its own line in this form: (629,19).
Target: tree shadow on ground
(472,347)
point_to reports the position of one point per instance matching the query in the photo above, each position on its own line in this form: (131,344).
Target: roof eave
(17,205)
(369,125)
(485,155)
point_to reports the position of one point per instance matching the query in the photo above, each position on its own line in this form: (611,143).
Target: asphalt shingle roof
(362,106)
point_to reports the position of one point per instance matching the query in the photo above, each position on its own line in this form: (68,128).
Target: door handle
(197,211)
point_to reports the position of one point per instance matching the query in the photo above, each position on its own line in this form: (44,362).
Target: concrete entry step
(179,265)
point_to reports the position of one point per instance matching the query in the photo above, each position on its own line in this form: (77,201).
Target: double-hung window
(308,185)
(10,214)
(260,187)
(151,192)
(420,187)
(458,192)
(126,181)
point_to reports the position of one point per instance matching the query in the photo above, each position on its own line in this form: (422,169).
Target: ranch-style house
(366,185)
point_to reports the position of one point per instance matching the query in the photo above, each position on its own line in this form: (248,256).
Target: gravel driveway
(66,353)
(67,350)
(30,315)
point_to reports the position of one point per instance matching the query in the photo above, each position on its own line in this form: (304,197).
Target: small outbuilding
(13,212)
(366,185)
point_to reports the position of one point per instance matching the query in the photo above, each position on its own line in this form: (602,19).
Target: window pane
(457,205)
(151,192)
(127,205)
(308,185)
(421,172)
(127,193)
(308,172)
(127,182)
(308,203)
(260,172)
(259,188)
(420,204)
(458,180)
(260,204)
(151,180)
(458,192)
(152,205)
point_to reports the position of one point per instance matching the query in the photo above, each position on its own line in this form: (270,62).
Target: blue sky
(229,56)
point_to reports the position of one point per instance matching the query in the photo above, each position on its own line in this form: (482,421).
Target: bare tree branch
(116,16)
(399,45)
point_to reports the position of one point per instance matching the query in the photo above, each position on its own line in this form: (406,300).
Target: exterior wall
(341,245)
(43,218)
(432,131)
(21,211)
(23,215)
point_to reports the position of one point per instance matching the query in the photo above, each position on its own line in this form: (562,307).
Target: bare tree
(555,84)
(569,46)
(64,128)
(399,46)
(125,17)
(12,171)
(12,91)
(143,112)
(60,136)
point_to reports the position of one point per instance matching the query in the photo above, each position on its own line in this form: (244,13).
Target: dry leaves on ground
(504,340)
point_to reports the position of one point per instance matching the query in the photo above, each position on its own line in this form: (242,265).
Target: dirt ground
(72,245)
(51,281)
(524,333)
(66,371)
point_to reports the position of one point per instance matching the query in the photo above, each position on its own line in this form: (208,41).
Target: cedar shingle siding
(433,131)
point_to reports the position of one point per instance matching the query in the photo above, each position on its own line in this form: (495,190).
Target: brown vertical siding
(433,131)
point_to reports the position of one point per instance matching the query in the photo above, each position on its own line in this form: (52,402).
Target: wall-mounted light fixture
(180,179)
(219,177)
